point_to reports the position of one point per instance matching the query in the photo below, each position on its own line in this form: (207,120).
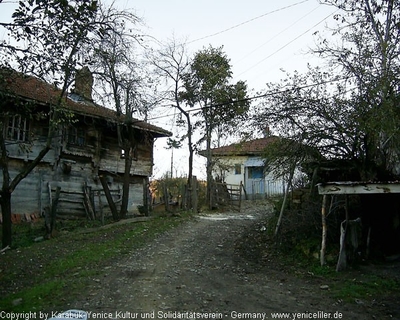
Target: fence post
(194,193)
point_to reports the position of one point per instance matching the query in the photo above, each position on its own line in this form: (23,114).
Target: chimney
(267,132)
(84,83)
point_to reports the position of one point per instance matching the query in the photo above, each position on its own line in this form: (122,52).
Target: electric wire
(287,44)
(247,21)
(282,90)
(278,34)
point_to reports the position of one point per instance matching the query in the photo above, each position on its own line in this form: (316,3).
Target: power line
(254,97)
(247,21)
(278,34)
(288,43)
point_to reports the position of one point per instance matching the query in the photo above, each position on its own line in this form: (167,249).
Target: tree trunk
(6,212)
(209,174)
(5,193)
(190,200)
(195,201)
(126,182)
(209,166)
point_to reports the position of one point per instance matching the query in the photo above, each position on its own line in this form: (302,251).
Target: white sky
(261,38)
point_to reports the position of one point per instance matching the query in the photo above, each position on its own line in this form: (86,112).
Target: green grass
(353,284)
(369,287)
(298,252)
(34,298)
(66,272)
(356,283)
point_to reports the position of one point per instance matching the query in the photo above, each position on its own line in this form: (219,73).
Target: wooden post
(240,196)
(368,243)
(101,208)
(244,190)
(324,230)
(87,203)
(278,224)
(109,198)
(342,260)
(166,197)
(194,194)
(146,196)
(53,212)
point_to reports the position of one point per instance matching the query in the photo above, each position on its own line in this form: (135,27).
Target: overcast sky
(260,37)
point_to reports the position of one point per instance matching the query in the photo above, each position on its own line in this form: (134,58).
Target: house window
(256,172)
(238,169)
(76,136)
(18,128)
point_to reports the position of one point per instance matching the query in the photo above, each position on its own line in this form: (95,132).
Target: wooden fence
(262,189)
(228,195)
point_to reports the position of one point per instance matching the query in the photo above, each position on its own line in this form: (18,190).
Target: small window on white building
(238,168)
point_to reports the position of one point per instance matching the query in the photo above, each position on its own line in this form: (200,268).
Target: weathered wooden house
(83,150)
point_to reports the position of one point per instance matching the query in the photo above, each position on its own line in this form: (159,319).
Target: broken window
(18,128)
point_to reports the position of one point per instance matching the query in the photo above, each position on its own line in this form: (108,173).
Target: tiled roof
(32,88)
(251,147)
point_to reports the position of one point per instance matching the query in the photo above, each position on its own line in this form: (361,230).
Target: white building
(242,163)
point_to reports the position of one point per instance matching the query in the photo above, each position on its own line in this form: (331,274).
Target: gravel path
(193,272)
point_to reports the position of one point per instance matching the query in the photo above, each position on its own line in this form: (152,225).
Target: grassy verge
(296,252)
(47,275)
(362,282)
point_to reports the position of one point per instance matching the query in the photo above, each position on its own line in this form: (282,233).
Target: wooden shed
(378,222)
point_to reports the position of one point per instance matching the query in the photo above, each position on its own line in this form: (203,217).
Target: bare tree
(118,68)
(172,62)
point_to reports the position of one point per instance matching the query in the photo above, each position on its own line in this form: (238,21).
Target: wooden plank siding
(33,194)
(111,159)
(73,166)
(80,151)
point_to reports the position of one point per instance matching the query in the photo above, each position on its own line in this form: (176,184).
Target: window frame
(76,136)
(237,168)
(18,128)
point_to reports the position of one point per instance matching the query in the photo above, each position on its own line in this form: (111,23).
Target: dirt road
(194,272)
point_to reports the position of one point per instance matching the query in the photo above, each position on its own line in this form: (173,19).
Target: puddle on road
(219,217)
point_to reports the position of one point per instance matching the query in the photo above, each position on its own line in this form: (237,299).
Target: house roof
(31,88)
(251,147)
